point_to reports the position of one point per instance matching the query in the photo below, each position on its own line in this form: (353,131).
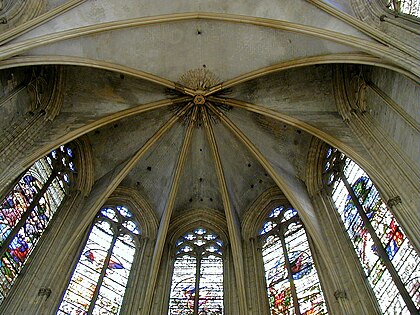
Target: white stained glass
(411,7)
(86,275)
(393,239)
(112,290)
(181,301)
(305,278)
(211,286)
(278,286)
(101,276)
(198,249)
(308,289)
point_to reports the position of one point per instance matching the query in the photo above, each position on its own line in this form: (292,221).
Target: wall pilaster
(395,175)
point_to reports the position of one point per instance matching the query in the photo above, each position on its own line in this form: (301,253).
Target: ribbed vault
(205,112)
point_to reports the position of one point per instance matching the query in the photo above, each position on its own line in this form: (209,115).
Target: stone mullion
(47,265)
(379,247)
(289,274)
(348,286)
(135,285)
(99,283)
(197,281)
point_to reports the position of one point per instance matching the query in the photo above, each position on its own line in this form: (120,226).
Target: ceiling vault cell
(232,222)
(389,53)
(167,214)
(330,139)
(107,184)
(338,58)
(280,182)
(109,119)
(39,20)
(343,58)
(97,64)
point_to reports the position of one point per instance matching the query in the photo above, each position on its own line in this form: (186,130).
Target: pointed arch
(100,278)
(291,279)
(377,238)
(31,204)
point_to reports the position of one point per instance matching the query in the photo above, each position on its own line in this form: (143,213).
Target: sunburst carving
(199,79)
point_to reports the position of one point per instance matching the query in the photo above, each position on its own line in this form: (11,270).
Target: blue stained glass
(100,278)
(204,248)
(14,209)
(200,231)
(301,264)
(110,213)
(284,223)
(131,226)
(124,212)
(401,253)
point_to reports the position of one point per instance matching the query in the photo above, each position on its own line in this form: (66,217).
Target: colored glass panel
(181,301)
(211,286)
(278,287)
(198,249)
(21,228)
(283,225)
(392,237)
(116,277)
(101,275)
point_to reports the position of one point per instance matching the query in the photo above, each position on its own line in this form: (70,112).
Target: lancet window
(28,208)
(197,280)
(99,281)
(389,261)
(293,285)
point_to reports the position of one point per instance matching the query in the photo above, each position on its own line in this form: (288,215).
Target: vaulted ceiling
(128,67)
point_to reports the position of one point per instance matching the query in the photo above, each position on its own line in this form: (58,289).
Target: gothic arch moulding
(140,208)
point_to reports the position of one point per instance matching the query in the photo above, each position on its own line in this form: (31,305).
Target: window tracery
(197,280)
(28,209)
(411,7)
(389,261)
(99,281)
(293,285)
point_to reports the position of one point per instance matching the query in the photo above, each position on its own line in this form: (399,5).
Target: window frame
(139,241)
(333,173)
(55,170)
(175,254)
(280,231)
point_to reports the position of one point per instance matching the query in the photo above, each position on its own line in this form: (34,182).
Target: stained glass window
(27,210)
(390,262)
(99,280)
(197,280)
(411,7)
(292,281)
